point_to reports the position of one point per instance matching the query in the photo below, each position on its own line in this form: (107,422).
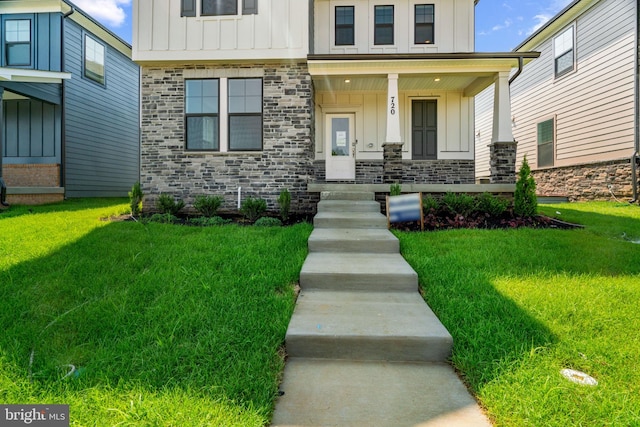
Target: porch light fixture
(347,81)
(437,79)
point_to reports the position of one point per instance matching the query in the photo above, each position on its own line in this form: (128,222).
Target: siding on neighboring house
(101,159)
(593,106)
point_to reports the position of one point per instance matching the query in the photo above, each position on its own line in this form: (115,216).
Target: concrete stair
(364,349)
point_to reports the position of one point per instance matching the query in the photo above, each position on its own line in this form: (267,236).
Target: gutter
(63,139)
(634,157)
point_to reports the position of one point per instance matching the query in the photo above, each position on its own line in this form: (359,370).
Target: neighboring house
(575,109)
(70,105)
(266,95)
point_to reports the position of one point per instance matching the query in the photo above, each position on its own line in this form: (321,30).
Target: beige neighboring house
(575,109)
(261,95)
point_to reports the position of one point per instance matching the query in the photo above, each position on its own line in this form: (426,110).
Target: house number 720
(392,106)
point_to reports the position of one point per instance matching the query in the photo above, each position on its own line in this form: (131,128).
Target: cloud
(507,23)
(548,12)
(540,20)
(109,12)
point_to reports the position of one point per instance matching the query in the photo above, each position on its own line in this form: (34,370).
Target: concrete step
(347,195)
(349,220)
(375,394)
(348,206)
(353,240)
(391,326)
(358,272)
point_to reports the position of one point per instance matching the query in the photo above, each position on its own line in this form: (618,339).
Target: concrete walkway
(364,349)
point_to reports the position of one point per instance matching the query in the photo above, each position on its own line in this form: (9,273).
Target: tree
(525,200)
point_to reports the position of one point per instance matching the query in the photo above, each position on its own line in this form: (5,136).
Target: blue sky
(501,25)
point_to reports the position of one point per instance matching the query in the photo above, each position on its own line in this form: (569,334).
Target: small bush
(253,208)
(167,205)
(163,218)
(525,201)
(284,201)
(395,189)
(207,205)
(459,203)
(492,205)
(135,199)
(429,203)
(203,221)
(266,221)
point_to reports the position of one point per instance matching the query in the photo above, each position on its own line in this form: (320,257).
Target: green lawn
(166,325)
(182,326)
(524,304)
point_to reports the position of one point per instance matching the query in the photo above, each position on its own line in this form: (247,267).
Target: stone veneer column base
(503,162)
(392,157)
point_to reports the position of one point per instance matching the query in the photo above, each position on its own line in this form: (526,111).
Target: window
(383,28)
(18,42)
(249,7)
(245,114)
(424,17)
(93,60)
(201,114)
(219,7)
(564,53)
(344,26)
(545,143)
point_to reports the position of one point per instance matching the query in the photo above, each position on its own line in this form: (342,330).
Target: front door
(424,129)
(340,147)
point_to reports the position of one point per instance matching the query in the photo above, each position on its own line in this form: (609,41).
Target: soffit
(32,76)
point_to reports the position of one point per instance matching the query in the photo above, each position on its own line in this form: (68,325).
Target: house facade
(258,96)
(575,109)
(70,105)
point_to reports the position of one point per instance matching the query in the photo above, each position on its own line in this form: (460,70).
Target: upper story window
(245,114)
(424,21)
(17,34)
(202,121)
(564,52)
(94,58)
(345,30)
(383,28)
(218,7)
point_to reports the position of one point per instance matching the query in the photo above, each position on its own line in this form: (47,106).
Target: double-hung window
(93,59)
(201,114)
(383,25)
(546,143)
(245,114)
(345,29)
(424,21)
(17,33)
(564,52)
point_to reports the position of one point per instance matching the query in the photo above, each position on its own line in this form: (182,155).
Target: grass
(165,325)
(524,304)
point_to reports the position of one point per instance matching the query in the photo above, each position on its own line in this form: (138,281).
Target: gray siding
(101,123)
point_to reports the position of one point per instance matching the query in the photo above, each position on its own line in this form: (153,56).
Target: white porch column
(393,111)
(502,110)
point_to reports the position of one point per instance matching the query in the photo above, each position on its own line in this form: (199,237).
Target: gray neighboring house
(70,105)
(575,109)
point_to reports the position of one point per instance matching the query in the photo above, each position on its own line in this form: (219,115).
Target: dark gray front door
(424,129)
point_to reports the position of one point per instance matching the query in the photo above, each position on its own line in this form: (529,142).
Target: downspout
(636,95)
(63,139)
(520,67)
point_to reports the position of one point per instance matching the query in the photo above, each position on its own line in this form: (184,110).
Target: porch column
(502,150)
(392,147)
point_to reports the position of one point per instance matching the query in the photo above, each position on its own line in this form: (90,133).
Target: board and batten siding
(455,121)
(280,30)
(593,106)
(453,27)
(101,123)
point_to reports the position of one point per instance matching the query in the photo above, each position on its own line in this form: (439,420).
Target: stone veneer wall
(503,162)
(586,181)
(284,163)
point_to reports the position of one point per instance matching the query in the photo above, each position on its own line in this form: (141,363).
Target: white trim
(32,76)
(223,115)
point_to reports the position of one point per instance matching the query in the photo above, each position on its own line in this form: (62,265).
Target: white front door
(340,147)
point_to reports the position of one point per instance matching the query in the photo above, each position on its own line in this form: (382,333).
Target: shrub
(525,202)
(135,199)
(429,203)
(252,209)
(163,218)
(459,203)
(492,205)
(207,205)
(167,205)
(395,190)
(208,221)
(266,221)
(284,201)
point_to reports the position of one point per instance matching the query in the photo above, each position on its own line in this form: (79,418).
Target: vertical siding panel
(24,129)
(55,42)
(279,34)
(11,128)
(160,28)
(36,129)
(50,139)
(452,142)
(144,14)
(177,27)
(42,33)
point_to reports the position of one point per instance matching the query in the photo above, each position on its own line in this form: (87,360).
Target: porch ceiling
(378,83)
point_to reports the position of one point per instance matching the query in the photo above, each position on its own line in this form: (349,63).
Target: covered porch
(409,118)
